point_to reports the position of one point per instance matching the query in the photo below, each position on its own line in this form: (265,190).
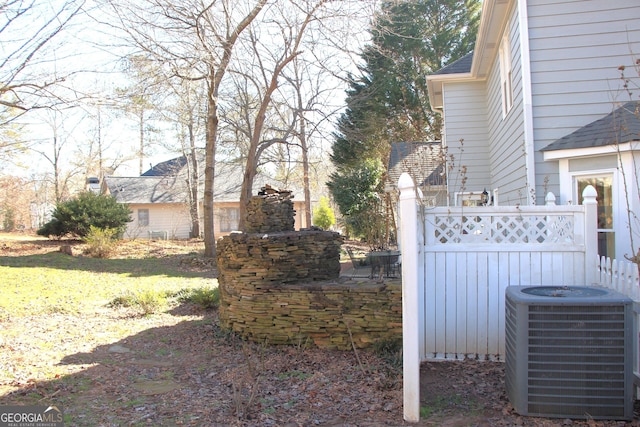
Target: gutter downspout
(527,102)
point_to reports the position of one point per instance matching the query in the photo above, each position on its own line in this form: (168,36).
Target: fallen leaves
(182,369)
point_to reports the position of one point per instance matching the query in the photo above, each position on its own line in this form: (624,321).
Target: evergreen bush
(323,216)
(75,217)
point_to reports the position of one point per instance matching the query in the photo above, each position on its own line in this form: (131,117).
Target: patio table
(383,262)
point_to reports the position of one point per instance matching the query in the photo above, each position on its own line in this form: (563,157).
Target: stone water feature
(282,286)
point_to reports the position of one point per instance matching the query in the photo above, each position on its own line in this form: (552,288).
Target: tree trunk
(247,184)
(193,184)
(305,163)
(209,169)
(141,136)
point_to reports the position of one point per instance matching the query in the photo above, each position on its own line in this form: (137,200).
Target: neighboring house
(159,199)
(159,205)
(527,112)
(93,184)
(424,162)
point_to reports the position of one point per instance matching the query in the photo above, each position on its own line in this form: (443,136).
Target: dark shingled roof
(147,189)
(421,160)
(618,127)
(462,65)
(166,183)
(170,167)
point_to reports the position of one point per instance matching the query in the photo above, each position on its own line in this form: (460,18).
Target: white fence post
(590,234)
(550,199)
(410,305)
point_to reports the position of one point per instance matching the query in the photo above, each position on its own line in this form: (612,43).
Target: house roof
(421,160)
(147,189)
(493,20)
(618,127)
(461,65)
(166,183)
(167,168)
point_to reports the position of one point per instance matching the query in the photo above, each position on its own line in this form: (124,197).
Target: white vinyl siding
(576,48)
(170,217)
(466,120)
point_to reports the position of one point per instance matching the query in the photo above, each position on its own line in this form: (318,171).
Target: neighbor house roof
(147,189)
(421,160)
(166,183)
(618,127)
(168,167)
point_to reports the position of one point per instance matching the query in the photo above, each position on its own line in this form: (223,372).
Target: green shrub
(76,216)
(358,194)
(205,297)
(127,299)
(149,301)
(100,242)
(323,216)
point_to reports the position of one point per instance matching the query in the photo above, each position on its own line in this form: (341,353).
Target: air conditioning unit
(568,352)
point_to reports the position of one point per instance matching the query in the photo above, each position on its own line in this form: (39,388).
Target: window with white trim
(143,217)
(477,198)
(506,88)
(229,219)
(604,187)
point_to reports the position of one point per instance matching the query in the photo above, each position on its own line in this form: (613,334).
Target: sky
(91,71)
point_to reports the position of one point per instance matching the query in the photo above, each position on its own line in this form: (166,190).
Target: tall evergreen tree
(388,101)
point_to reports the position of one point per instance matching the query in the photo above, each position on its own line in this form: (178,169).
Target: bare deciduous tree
(53,152)
(195,40)
(290,23)
(188,114)
(26,82)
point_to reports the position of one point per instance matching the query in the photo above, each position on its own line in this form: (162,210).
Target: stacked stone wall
(327,315)
(271,211)
(278,258)
(281,286)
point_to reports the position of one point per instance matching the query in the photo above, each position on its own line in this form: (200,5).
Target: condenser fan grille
(569,359)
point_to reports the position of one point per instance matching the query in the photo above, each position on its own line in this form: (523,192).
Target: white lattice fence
(623,276)
(517,227)
(472,254)
(457,263)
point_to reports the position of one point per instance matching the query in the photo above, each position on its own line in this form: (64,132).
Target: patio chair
(396,267)
(359,270)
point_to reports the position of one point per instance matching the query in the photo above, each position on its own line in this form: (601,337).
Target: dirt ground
(179,368)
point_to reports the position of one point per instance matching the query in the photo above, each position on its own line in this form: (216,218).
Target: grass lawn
(53,282)
(128,341)
(53,304)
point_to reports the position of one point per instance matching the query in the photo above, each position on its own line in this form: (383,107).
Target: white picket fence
(458,261)
(622,276)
